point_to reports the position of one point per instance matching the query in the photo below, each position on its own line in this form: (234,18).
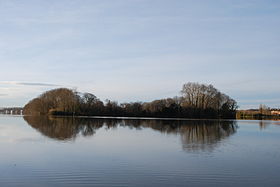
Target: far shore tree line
(196,101)
(263,112)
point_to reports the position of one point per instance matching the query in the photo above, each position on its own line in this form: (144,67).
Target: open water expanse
(47,151)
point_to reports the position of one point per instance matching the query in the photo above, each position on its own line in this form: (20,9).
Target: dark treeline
(196,101)
(195,135)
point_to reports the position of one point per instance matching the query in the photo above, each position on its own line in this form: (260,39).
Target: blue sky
(140,50)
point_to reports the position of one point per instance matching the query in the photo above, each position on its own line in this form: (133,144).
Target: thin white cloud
(36,84)
(28,83)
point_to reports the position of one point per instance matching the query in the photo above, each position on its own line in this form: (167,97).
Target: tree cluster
(197,101)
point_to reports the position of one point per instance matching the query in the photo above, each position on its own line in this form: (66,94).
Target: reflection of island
(195,134)
(63,128)
(206,135)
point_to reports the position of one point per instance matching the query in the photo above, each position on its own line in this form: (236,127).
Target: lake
(48,151)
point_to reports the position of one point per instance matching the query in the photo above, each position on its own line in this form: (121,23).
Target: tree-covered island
(196,101)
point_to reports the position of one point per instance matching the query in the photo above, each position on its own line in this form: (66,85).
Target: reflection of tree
(264,124)
(63,128)
(206,135)
(195,134)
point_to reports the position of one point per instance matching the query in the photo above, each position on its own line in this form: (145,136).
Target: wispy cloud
(36,84)
(28,83)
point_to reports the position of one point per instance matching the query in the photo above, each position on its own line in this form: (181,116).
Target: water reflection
(63,128)
(196,135)
(206,135)
(264,124)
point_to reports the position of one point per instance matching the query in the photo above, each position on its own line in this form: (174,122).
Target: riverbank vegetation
(262,113)
(196,101)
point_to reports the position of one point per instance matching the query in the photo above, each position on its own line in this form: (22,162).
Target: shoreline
(143,118)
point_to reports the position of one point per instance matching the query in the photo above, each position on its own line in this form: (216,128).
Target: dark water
(110,152)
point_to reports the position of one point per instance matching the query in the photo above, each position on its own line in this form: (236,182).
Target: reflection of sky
(140,50)
(13,133)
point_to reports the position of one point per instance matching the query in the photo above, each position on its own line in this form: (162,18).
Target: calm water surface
(108,152)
